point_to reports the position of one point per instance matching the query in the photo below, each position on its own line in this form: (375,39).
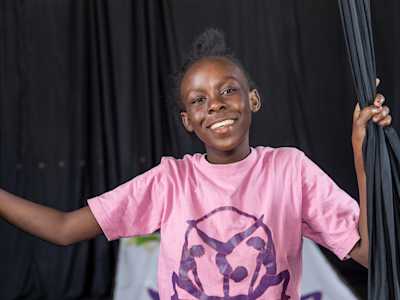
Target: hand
(378,113)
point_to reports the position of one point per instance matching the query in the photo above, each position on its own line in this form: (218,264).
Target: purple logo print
(221,261)
(153,294)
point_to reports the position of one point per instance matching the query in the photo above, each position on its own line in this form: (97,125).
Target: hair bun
(210,43)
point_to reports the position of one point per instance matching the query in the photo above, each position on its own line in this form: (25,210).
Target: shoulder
(280,154)
(180,166)
(186,161)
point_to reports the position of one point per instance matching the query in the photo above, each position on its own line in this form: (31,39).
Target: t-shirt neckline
(230,167)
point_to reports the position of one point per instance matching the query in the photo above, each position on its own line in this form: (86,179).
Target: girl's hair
(210,43)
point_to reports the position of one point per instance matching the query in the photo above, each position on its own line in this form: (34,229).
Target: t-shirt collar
(231,167)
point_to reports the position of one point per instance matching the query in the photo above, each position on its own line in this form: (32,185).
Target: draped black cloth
(382,158)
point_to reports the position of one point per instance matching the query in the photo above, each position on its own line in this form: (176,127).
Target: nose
(216,104)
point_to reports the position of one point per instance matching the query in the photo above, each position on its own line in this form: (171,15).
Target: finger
(381,115)
(377,82)
(386,121)
(367,113)
(379,99)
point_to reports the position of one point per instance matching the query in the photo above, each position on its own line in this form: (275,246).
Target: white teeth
(222,124)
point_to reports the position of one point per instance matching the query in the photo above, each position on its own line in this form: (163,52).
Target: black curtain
(85,105)
(381,151)
(83,108)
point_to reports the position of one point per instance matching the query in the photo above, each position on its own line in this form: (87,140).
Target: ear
(186,121)
(255,100)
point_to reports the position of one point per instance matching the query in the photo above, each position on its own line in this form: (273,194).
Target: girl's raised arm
(61,228)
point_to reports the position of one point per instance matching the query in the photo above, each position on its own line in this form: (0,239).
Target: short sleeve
(133,208)
(329,215)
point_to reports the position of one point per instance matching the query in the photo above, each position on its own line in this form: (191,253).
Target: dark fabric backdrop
(84,106)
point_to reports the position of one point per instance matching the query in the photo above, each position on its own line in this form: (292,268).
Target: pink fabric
(234,229)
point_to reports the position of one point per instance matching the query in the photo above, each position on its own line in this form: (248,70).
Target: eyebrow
(222,81)
(226,78)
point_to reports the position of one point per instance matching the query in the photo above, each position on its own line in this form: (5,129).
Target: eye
(198,100)
(228,90)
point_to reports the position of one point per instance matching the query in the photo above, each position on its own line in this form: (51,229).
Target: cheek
(243,104)
(196,116)
(246,116)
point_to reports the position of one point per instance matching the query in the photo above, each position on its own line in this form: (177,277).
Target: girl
(231,220)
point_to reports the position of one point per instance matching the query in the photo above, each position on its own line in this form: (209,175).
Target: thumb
(356,112)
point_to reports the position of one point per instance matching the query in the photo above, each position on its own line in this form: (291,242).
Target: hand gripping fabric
(381,151)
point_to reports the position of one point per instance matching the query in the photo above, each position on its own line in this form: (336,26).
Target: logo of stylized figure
(254,240)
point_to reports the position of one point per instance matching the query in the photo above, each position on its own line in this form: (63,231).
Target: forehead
(211,69)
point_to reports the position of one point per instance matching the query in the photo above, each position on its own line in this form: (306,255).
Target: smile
(221,124)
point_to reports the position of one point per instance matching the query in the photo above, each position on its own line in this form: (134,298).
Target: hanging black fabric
(381,155)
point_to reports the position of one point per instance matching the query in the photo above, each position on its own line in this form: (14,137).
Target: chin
(224,142)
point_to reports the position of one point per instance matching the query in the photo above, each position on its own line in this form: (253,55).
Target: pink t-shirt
(232,231)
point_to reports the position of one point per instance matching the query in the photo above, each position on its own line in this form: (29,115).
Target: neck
(216,156)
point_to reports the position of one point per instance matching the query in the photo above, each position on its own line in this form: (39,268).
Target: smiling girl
(231,220)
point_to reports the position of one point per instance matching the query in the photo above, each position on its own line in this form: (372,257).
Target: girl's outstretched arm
(61,228)
(379,115)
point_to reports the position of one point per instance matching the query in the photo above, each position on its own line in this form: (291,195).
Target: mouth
(222,126)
